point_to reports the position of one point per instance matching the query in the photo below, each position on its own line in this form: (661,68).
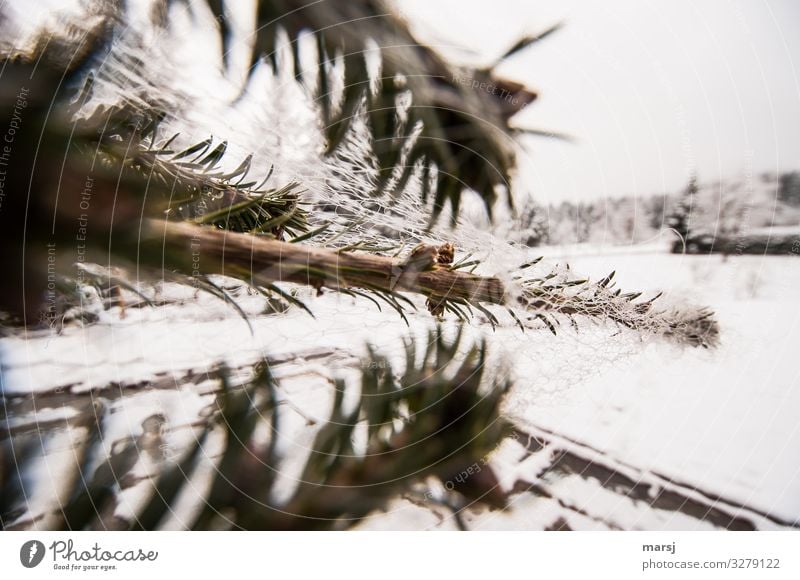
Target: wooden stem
(196,250)
(211,251)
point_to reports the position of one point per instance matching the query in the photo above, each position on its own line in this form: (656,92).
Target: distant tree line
(702,216)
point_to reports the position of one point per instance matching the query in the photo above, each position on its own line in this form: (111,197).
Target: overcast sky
(651,90)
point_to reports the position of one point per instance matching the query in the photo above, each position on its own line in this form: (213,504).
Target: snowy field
(721,424)
(726,418)
(722,420)
(648,435)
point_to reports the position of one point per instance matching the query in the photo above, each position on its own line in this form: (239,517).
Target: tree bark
(267,260)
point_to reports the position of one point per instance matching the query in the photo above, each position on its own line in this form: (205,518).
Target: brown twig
(260,261)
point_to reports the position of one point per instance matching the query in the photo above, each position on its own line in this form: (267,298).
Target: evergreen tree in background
(681,216)
(789,188)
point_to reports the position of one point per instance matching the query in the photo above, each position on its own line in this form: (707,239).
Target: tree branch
(196,250)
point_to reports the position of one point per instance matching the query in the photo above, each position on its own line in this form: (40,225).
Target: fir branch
(192,181)
(439,419)
(269,261)
(466,126)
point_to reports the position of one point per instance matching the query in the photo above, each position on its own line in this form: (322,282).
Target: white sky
(651,90)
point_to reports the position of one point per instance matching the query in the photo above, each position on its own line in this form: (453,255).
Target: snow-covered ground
(717,426)
(721,423)
(724,420)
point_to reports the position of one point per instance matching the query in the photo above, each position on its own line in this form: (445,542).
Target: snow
(775,231)
(719,422)
(724,420)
